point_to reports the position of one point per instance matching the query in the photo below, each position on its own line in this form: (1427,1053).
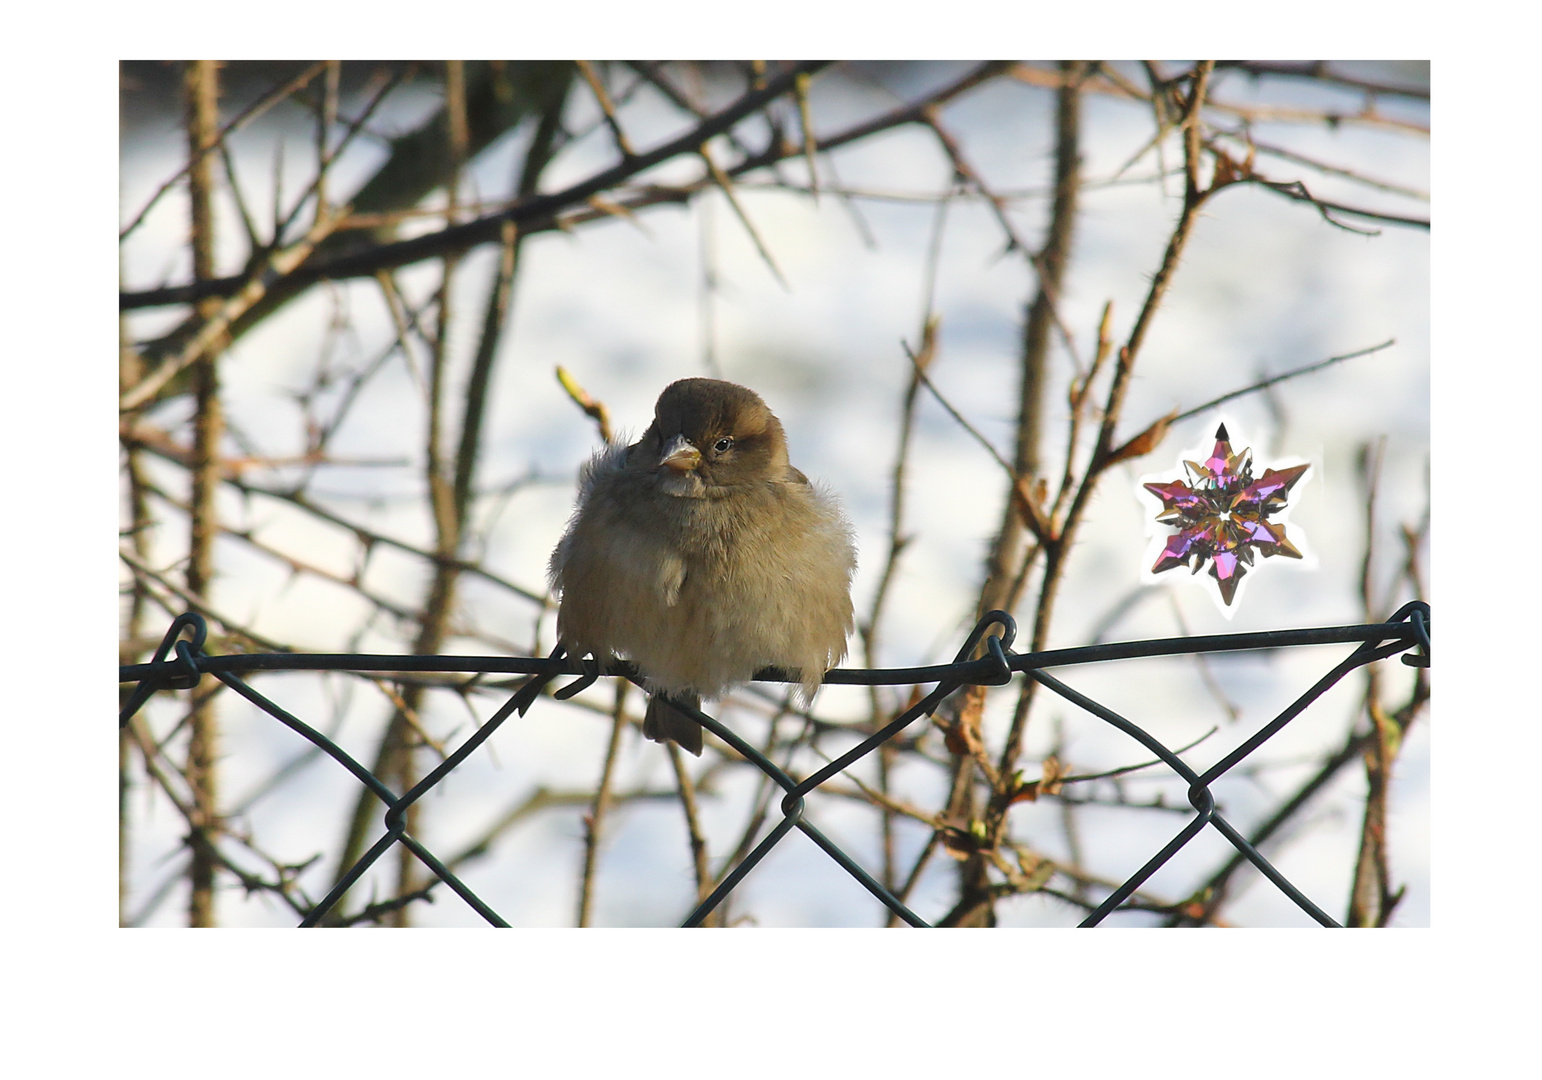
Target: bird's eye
(723,445)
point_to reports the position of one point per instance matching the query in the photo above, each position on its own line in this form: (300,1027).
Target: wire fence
(180,662)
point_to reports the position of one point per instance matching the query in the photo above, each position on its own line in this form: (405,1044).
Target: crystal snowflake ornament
(1222,515)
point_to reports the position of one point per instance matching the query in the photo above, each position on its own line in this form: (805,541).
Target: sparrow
(700,554)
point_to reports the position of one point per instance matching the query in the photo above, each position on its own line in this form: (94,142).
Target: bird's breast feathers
(702,591)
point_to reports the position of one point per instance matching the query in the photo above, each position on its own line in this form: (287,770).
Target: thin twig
(810,142)
(969,429)
(227,162)
(601,98)
(1297,190)
(725,185)
(594,820)
(1273,379)
(1318,71)
(593,409)
(1285,154)
(698,840)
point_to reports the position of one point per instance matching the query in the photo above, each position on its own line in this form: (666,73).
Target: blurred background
(347,289)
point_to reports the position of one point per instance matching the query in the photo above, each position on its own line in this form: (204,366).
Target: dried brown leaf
(1143,443)
(1030,504)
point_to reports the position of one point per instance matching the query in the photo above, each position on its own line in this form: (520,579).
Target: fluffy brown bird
(702,555)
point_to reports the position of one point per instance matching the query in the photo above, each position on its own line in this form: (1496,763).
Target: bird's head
(708,436)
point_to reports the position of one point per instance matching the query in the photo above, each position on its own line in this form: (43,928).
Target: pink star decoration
(1222,515)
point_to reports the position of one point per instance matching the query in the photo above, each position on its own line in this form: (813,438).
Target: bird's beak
(680,455)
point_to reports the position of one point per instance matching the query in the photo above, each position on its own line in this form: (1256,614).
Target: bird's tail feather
(665,723)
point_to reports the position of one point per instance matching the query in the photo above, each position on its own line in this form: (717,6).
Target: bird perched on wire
(700,554)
